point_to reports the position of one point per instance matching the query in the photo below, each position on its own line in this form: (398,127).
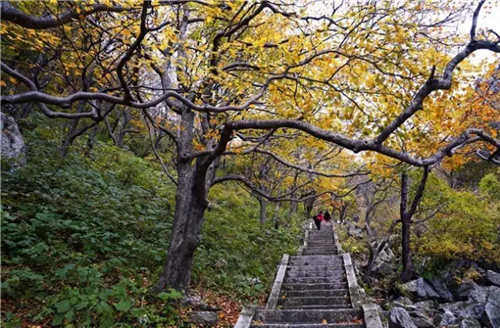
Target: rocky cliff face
(13,147)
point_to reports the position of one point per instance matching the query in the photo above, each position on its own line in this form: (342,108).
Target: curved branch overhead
(13,14)
(267,94)
(124,95)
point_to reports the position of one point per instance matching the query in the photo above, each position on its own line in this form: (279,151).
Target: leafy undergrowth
(84,239)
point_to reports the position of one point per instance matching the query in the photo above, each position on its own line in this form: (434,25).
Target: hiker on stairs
(327,217)
(317,219)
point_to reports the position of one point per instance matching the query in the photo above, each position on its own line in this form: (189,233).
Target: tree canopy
(297,82)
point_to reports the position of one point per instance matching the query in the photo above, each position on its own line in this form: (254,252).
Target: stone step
(320,238)
(315,262)
(315,300)
(305,274)
(299,257)
(309,268)
(330,246)
(319,252)
(313,280)
(312,286)
(320,246)
(309,316)
(320,242)
(308,325)
(317,239)
(316,292)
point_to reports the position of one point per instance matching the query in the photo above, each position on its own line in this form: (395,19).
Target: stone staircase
(316,288)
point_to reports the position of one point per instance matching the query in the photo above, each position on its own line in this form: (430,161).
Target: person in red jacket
(318,218)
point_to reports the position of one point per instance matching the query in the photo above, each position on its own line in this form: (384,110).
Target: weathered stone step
(316,245)
(309,325)
(317,292)
(316,262)
(319,252)
(308,268)
(313,280)
(315,258)
(318,239)
(299,257)
(310,316)
(303,301)
(320,246)
(311,286)
(321,242)
(305,274)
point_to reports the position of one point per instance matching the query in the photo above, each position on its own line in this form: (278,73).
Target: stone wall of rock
(13,147)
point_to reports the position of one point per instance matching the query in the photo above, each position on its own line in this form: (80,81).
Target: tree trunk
(408,268)
(342,213)
(191,202)
(263,206)
(293,207)
(277,216)
(371,262)
(69,137)
(309,204)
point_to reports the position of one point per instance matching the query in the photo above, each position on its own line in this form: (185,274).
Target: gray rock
(471,291)
(206,318)
(420,290)
(383,268)
(426,306)
(12,145)
(402,302)
(399,318)
(446,319)
(440,287)
(386,255)
(421,320)
(469,323)
(354,231)
(492,309)
(493,277)
(463,310)
(191,300)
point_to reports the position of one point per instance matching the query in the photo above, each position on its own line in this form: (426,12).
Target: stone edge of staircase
(370,310)
(278,281)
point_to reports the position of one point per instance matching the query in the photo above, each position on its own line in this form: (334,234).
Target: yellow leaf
(3,84)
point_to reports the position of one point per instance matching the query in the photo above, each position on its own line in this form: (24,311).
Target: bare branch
(12,14)
(474,21)
(307,170)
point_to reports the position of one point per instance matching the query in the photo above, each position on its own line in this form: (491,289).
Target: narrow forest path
(316,288)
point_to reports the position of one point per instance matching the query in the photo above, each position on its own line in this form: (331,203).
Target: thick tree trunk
(191,202)
(190,207)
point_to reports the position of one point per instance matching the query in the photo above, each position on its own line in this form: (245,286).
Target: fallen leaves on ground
(229,309)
